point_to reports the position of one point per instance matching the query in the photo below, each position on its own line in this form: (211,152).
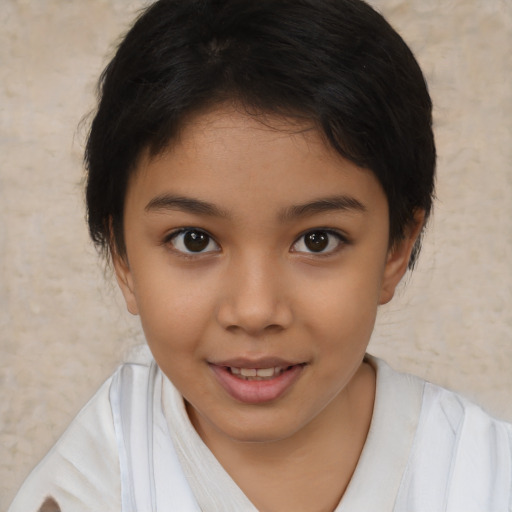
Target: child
(259,174)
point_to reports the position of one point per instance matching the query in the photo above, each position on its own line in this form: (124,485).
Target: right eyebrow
(165,202)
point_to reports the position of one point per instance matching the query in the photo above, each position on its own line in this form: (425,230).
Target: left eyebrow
(326,204)
(185,204)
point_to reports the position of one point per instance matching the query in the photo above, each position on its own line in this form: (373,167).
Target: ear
(125,281)
(398,258)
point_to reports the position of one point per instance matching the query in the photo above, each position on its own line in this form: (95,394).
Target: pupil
(317,241)
(195,241)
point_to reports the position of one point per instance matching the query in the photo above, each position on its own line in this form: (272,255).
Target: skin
(258,291)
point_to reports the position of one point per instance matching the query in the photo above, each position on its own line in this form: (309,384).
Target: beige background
(63,327)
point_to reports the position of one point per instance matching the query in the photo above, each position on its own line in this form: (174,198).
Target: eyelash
(171,238)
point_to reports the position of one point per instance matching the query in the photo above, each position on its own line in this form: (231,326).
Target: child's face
(254,248)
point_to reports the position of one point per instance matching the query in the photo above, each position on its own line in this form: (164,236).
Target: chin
(260,430)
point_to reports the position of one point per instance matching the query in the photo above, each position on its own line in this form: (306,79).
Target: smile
(257,383)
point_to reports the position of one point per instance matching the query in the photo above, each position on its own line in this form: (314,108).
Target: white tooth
(234,371)
(265,372)
(278,370)
(248,372)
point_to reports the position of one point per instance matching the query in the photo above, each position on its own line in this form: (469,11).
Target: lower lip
(256,391)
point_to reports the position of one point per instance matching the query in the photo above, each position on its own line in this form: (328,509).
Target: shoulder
(471,431)
(81,472)
(480,445)
(461,457)
(457,413)
(439,408)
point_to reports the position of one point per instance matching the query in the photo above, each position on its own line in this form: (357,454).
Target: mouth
(257,382)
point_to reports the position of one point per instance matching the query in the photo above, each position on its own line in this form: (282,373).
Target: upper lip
(263,362)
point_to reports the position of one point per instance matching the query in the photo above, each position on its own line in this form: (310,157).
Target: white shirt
(427,450)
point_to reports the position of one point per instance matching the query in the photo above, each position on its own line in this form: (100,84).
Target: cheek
(173,307)
(340,313)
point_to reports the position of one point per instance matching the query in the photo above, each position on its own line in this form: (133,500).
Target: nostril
(253,308)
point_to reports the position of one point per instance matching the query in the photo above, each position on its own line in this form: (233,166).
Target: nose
(254,299)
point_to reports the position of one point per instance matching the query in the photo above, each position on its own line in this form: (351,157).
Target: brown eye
(316,241)
(319,241)
(196,241)
(193,241)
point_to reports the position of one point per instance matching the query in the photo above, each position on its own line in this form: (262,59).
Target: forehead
(239,161)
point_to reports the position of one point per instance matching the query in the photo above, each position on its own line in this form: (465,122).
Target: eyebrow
(197,206)
(326,204)
(186,204)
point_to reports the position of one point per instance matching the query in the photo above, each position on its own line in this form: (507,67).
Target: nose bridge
(255,296)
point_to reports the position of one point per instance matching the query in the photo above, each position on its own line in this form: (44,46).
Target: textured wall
(63,327)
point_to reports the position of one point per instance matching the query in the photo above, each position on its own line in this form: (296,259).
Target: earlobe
(125,282)
(398,258)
